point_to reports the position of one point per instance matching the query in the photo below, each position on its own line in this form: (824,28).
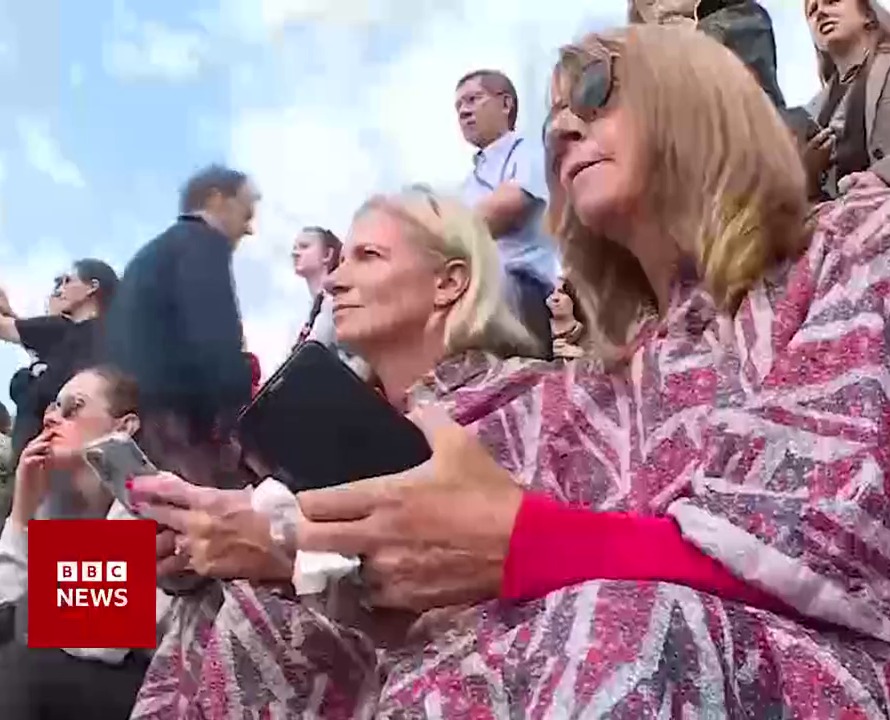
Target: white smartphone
(115,458)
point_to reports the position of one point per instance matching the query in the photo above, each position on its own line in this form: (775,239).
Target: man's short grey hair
(201,186)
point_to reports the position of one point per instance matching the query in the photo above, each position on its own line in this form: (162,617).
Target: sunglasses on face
(590,93)
(67,406)
(61,281)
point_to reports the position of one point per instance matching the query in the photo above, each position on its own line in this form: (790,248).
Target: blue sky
(108,105)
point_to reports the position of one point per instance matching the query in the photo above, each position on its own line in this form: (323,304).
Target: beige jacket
(877,113)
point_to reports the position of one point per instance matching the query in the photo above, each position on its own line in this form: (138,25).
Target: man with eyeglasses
(62,342)
(507,189)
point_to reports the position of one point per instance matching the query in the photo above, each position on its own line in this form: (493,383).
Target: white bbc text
(91,597)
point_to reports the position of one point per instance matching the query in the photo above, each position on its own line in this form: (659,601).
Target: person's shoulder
(149,253)
(185,231)
(45,324)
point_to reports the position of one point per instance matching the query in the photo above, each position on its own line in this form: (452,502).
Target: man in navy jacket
(175,327)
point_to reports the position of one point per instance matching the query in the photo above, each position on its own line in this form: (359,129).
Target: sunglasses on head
(430,196)
(590,92)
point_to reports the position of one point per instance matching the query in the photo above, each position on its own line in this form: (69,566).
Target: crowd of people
(653,372)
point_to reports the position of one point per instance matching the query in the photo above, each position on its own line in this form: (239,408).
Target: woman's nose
(566,128)
(332,282)
(51,416)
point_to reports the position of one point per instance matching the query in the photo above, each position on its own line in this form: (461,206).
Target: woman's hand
(217,531)
(817,155)
(31,479)
(170,562)
(563,349)
(433,536)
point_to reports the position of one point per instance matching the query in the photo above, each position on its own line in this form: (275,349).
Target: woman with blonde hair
(852,39)
(692,526)
(418,296)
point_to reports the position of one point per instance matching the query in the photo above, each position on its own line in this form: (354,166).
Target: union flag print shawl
(765,435)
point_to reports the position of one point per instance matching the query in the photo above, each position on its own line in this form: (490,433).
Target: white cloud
(318,150)
(150,50)
(43,153)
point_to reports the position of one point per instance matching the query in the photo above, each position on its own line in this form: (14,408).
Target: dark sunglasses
(589,94)
(60,281)
(67,406)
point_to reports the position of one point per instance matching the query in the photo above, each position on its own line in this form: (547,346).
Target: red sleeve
(554,545)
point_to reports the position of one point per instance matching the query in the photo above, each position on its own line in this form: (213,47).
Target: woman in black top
(63,343)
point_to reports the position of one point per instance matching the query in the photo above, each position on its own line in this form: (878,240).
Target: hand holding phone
(115,458)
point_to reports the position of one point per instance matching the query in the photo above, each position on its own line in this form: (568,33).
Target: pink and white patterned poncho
(765,435)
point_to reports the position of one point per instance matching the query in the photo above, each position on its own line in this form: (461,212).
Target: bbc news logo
(69,572)
(91,583)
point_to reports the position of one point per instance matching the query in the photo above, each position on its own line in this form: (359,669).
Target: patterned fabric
(765,435)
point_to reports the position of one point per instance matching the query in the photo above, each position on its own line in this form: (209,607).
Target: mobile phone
(115,458)
(802,124)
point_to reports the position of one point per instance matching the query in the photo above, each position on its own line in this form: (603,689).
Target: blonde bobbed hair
(723,176)
(481,318)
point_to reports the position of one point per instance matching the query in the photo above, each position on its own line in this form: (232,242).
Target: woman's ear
(129,424)
(452,283)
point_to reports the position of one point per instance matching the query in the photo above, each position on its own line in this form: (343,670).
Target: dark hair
(121,390)
(203,184)
(496,83)
(577,308)
(92,270)
(329,241)
(5,420)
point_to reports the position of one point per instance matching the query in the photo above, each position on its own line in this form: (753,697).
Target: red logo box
(91,584)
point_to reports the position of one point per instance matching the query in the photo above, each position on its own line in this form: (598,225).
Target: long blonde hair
(481,318)
(724,178)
